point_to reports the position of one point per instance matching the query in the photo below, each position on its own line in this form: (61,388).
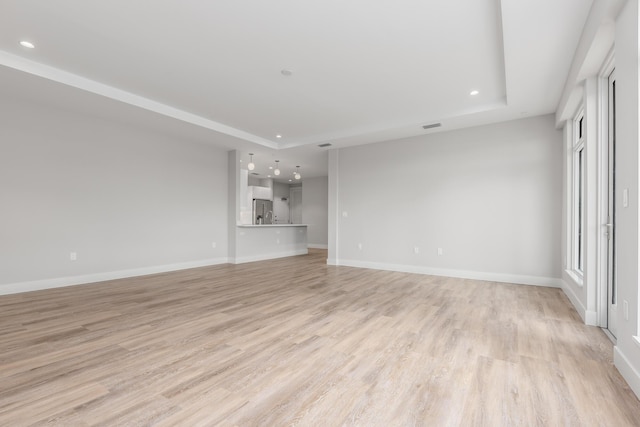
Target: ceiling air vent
(432,125)
(326,144)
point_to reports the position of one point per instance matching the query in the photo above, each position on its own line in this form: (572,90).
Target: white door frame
(603,192)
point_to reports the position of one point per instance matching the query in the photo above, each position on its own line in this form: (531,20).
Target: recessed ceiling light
(270,167)
(27,44)
(268,176)
(289,180)
(286,72)
(278,136)
(474,93)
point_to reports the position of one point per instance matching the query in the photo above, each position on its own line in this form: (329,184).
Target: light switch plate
(625,198)
(625,309)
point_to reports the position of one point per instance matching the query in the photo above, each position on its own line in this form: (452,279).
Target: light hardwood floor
(297,342)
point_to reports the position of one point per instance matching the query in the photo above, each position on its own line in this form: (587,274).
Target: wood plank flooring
(296,342)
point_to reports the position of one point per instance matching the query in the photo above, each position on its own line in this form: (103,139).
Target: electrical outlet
(416,250)
(345,214)
(277,241)
(359,246)
(439,251)
(73,256)
(214,245)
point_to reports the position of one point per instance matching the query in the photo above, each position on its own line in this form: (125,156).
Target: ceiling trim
(83,83)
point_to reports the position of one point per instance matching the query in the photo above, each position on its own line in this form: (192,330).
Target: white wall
(315,210)
(126,199)
(281,190)
(627,350)
(489,196)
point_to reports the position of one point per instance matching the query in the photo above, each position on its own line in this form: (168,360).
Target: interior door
(612,295)
(295,204)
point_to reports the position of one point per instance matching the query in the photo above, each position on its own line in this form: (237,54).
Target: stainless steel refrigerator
(262,211)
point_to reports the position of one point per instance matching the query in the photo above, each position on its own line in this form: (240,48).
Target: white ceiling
(362,71)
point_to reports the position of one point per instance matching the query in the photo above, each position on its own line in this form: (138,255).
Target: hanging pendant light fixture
(251,166)
(296,174)
(276,171)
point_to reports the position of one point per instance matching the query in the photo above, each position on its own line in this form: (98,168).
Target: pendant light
(296,174)
(276,171)
(251,166)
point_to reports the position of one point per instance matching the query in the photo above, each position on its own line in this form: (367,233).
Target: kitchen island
(270,225)
(268,241)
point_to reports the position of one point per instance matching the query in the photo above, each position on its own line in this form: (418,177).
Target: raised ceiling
(361,71)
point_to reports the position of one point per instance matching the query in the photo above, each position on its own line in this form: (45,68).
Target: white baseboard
(627,370)
(463,274)
(59,282)
(589,317)
(317,246)
(265,257)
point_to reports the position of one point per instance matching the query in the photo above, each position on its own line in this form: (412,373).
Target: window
(578,196)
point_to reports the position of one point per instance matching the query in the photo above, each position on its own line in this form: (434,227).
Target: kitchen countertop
(270,225)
